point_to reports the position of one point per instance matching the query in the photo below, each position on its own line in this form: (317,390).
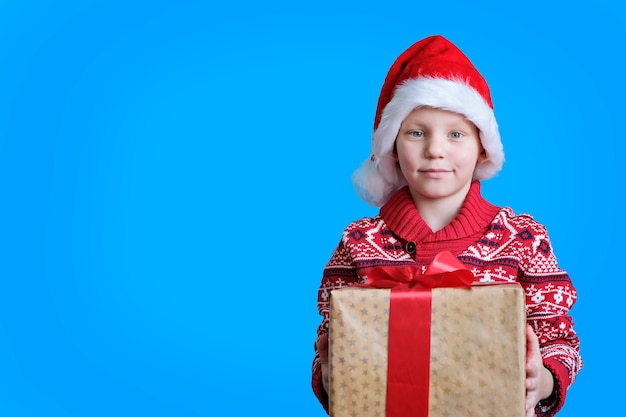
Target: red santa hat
(434,73)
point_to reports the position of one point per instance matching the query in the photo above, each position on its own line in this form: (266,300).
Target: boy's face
(437,152)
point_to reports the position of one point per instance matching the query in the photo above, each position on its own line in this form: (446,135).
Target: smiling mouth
(434,173)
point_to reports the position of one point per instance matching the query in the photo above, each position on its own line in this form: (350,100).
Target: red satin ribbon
(408,373)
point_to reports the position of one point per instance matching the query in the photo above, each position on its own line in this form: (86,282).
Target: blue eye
(456,135)
(417,133)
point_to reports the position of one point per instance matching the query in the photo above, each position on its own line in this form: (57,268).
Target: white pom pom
(370,186)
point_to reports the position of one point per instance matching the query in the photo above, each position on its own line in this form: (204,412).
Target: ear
(482,156)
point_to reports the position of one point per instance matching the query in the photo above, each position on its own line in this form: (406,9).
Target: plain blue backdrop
(175,174)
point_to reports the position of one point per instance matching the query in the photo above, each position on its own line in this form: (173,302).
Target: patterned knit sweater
(496,244)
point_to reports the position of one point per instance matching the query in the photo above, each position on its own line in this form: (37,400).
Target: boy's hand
(322,349)
(539,380)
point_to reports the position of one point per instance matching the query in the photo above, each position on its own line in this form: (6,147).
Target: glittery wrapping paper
(477,352)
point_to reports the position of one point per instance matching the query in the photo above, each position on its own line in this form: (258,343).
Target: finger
(322,343)
(325,377)
(322,347)
(532,348)
(530,405)
(532,342)
(531,369)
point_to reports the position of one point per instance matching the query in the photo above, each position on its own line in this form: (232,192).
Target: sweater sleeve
(550,295)
(339,272)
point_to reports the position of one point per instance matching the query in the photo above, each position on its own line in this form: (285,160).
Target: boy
(435,137)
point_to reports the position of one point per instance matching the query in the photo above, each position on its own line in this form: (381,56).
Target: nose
(435,147)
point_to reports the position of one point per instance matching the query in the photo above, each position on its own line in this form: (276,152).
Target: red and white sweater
(496,244)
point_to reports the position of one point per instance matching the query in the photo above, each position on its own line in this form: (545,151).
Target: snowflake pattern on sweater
(494,243)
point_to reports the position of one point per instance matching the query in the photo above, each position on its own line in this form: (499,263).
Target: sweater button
(410,247)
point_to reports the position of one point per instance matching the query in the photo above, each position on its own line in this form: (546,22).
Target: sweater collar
(400,214)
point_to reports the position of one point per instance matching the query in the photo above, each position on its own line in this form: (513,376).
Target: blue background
(175,174)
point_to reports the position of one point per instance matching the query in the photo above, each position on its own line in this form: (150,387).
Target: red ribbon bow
(408,374)
(445,271)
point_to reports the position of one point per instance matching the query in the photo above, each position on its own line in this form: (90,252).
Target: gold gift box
(477,351)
